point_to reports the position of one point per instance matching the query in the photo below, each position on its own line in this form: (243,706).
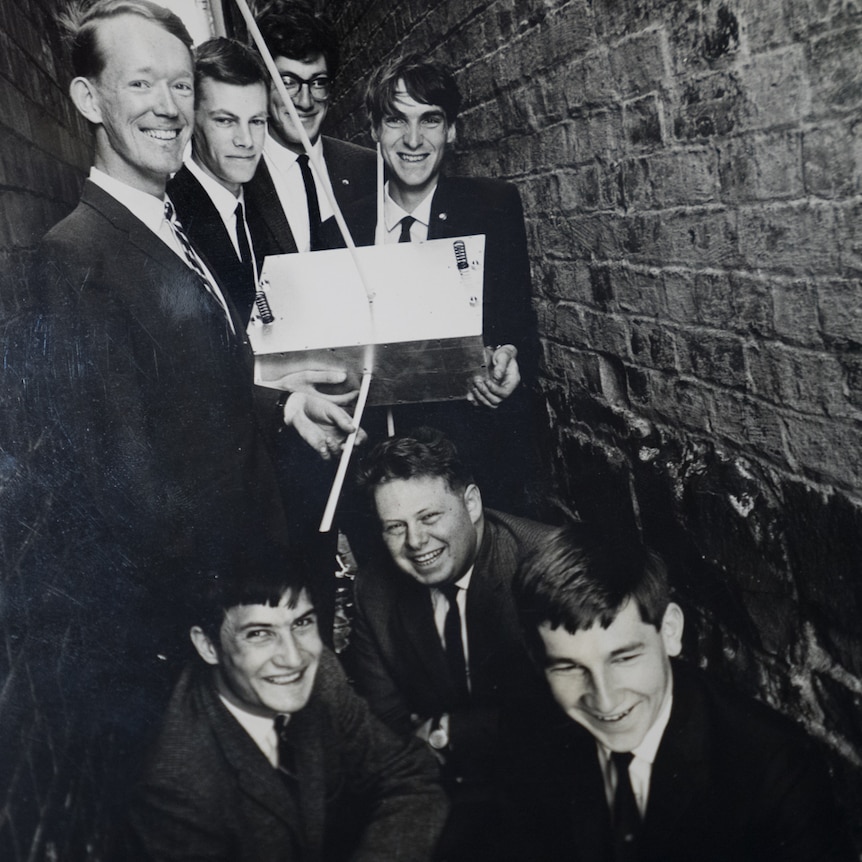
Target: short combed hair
(82,25)
(420,453)
(579,577)
(426,81)
(229,62)
(261,574)
(294,29)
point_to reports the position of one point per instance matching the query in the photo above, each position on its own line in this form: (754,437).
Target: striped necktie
(194,261)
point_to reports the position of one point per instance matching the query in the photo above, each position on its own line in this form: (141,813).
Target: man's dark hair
(293,29)
(578,577)
(229,62)
(426,81)
(261,574)
(418,453)
(82,26)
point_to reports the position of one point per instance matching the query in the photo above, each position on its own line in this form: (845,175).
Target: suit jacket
(209,793)
(204,227)
(732,780)
(141,399)
(352,170)
(400,665)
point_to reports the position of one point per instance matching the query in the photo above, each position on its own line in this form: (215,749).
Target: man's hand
(308,380)
(321,422)
(501,380)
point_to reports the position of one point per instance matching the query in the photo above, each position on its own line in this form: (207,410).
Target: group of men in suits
(155,439)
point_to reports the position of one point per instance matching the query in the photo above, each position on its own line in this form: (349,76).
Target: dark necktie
(406,224)
(626,817)
(286,757)
(313,203)
(242,236)
(193,260)
(454,645)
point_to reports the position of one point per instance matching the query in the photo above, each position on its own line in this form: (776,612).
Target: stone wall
(692,177)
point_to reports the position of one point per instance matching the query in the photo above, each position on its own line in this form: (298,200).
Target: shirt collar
(393,212)
(148,208)
(283,158)
(223,199)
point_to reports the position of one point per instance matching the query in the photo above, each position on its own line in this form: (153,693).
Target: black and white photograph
(430,431)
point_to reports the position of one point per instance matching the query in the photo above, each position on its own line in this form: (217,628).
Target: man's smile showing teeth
(163,134)
(412,157)
(285,678)
(427,559)
(610,719)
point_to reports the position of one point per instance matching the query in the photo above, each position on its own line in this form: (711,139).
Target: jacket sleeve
(374,679)
(396,776)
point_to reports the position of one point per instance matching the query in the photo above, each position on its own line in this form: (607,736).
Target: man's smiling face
(142,102)
(614,681)
(413,138)
(431,531)
(267,657)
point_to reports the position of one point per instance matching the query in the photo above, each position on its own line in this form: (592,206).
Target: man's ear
(451,134)
(85,97)
(375,134)
(205,647)
(473,502)
(672,624)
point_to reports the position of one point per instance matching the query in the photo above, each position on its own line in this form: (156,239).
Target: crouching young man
(650,759)
(266,753)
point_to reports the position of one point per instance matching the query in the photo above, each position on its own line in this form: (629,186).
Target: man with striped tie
(137,371)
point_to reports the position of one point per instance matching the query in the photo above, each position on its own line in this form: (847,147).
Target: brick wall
(692,177)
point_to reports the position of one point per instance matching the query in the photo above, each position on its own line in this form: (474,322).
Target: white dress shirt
(287,178)
(640,769)
(260,728)
(393,213)
(441,607)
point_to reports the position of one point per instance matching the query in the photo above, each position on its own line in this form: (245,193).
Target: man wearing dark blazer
(447,560)
(266,754)
(286,190)
(413,106)
(137,368)
(231,99)
(649,759)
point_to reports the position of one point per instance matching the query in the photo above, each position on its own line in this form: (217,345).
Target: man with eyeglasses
(286,188)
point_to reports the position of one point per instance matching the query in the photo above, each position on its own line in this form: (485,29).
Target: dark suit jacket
(141,399)
(210,794)
(400,665)
(206,230)
(352,170)
(732,780)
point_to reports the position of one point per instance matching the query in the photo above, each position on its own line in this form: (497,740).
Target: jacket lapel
(266,216)
(256,777)
(416,617)
(679,774)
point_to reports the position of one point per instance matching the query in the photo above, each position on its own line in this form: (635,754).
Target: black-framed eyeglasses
(320,86)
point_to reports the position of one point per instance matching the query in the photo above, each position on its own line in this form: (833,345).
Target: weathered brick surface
(691,174)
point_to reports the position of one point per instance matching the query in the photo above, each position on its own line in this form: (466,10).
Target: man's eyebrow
(254,625)
(634,645)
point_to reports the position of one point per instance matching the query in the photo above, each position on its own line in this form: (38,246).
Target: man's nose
(413,136)
(242,135)
(417,535)
(287,655)
(602,692)
(166,105)
(303,98)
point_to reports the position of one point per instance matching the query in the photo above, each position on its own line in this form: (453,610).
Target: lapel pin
(442,216)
